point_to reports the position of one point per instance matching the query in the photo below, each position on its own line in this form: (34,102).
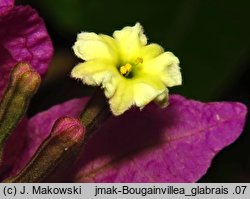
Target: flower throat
(127,69)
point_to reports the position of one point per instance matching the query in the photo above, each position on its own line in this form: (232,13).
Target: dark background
(210,37)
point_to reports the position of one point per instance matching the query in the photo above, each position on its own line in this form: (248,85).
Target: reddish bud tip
(19,69)
(68,127)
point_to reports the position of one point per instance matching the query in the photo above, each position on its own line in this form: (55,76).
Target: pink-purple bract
(23,37)
(6,6)
(175,144)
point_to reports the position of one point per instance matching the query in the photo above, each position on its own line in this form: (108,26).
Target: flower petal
(123,98)
(23,38)
(91,46)
(145,93)
(146,89)
(166,67)
(94,72)
(162,99)
(150,51)
(175,144)
(130,40)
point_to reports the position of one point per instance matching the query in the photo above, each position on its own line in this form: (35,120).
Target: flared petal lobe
(94,72)
(130,40)
(90,46)
(166,67)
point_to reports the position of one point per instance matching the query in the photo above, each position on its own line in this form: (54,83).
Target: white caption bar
(125,190)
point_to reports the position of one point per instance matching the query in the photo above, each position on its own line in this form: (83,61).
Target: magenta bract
(23,37)
(175,144)
(6,6)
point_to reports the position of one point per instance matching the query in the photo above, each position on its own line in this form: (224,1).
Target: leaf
(175,144)
(23,38)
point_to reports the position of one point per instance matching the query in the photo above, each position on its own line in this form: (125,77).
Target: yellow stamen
(124,70)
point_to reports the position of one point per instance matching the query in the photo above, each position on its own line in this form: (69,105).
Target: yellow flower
(131,72)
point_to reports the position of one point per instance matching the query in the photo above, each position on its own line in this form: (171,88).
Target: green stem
(95,113)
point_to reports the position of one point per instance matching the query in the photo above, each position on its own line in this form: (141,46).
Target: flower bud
(23,84)
(66,134)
